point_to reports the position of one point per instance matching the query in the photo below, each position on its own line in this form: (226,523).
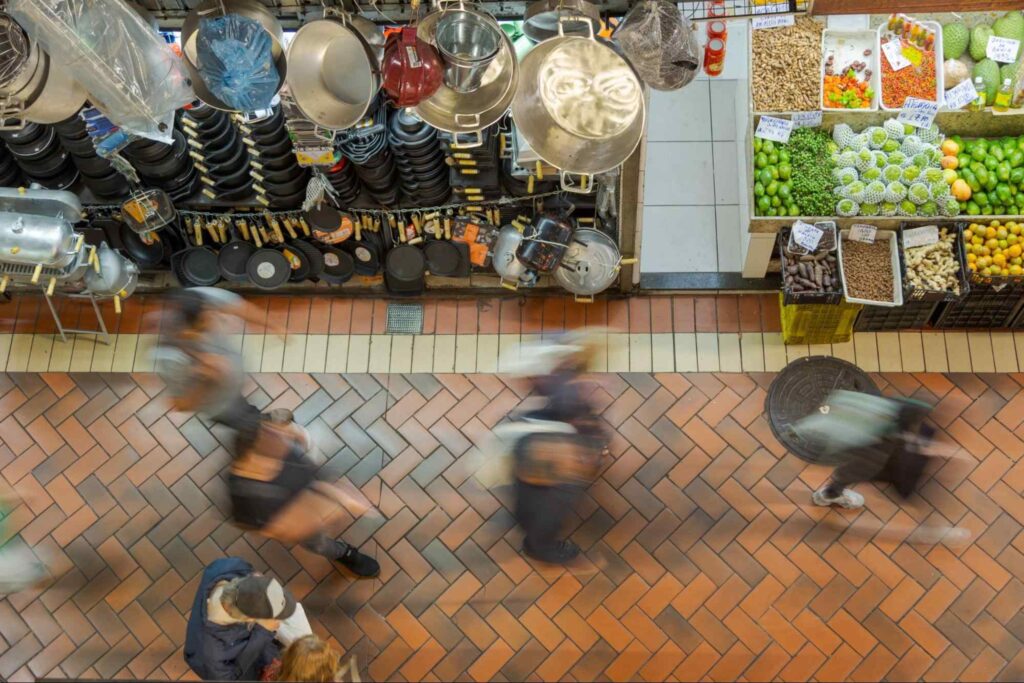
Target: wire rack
(713,9)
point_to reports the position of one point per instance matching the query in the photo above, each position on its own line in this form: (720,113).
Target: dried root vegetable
(934,267)
(787,67)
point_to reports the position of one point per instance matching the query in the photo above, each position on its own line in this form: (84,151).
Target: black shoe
(562,553)
(359,564)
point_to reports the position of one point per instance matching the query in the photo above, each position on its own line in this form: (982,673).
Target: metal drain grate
(405,319)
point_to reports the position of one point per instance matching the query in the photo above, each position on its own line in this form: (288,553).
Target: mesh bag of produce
(897,158)
(887,209)
(929,134)
(236,63)
(847,175)
(859,142)
(933,175)
(918,193)
(877,137)
(873,173)
(874,192)
(911,173)
(951,207)
(660,43)
(847,208)
(921,160)
(892,173)
(891,145)
(843,135)
(906,208)
(895,129)
(929,208)
(911,145)
(854,191)
(881,158)
(869,209)
(939,190)
(895,192)
(865,160)
(847,159)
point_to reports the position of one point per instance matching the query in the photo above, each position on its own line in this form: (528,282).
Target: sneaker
(564,552)
(359,564)
(849,500)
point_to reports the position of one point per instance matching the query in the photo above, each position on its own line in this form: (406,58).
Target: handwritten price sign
(776,130)
(1003,50)
(806,235)
(807,119)
(772,21)
(894,53)
(920,237)
(918,113)
(962,95)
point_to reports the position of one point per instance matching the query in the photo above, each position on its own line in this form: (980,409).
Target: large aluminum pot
(335,73)
(541,19)
(590,264)
(117,275)
(507,265)
(579,104)
(456,112)
(60,98)
(37,226)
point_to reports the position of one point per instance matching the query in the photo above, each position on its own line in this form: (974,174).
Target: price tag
(962,95)
(894,53)
(920,237)
(772,8)
(315,156)
(807,119)
(776,130)
(918,113)
(776,21)
(1002,49)
(863,233)
(806,235)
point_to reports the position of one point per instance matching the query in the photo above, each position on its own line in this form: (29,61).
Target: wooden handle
(3,283)
(95,258)
(529,185)
(79,243)
(256,237)
(223,232)
(304,225)
(117,304)
(631,261)
(540,170)
(51,286)
(290,229)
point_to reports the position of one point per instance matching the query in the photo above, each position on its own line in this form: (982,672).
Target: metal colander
(14,50)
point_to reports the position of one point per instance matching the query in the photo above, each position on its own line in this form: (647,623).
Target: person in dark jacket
(231,631)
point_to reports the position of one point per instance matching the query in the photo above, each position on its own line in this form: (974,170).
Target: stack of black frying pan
(342,177)
(10,173)
(279,180)
(379,177)
(218,153)
(474,175)
(37,152)
(423,174)
(166,167)
(98,174)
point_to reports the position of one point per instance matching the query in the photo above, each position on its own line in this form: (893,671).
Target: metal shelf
(699,10)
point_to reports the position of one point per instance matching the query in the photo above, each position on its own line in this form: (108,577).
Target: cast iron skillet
(197,267)
(268,268)
(146,255)
(339,266)
(313,256)
(234,258)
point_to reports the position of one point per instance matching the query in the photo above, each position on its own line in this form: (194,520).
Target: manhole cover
(405,319)
(801,389)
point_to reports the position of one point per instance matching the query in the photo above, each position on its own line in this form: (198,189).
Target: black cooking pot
(148,152)
(366,253)
(231,152)
(314,258)
(47,166)
(111,185)
(544,242)
(285,189)
(199,267)
(73,126)
(443,258)
(146,255)
(404,270)
(36,149)
(229,175)
(339,266)
(268,268)
(277,162)
(282,146)
(268,125)
(93,166)
(219,137)
(293,201)
(243,192)
(287,175)
(80,148)
(201,111)
(27,135)
(185,176)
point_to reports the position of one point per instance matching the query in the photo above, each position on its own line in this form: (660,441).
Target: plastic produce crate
(984,306)
(915,294)
(818,323)
(912,315)
(791,297)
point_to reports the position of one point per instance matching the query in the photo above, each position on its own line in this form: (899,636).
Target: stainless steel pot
(60,97)
(506,264)
(37,226)
(541,19)
(469,113)
(467,42)
(590,264)
(335,73)
(579,104)
(117,275)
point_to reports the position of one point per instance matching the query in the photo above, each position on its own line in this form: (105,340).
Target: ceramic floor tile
(358,353)
(980,344)
(508,352)
(845,351)
(60,356)
(1018,341)
(707,352)
(724,94)
(252,352)
(819,350)
(640,353)
(912,352)
(663,353)
(729,237)
(867,351)
(294,356)
(21,350)
(679,239)
(124,352)
(730,358)
(889,359)
(465,353)
(144,352)
(618,352)
(600,362)
(337,353)
(235,342)
(39,356)
(315,358)
(957,352)
(796,352)
(401,353)
(686,352)
(487,353)
(726,163)
(272,358)
(103,356)
(423,353)
(752,350)
(934,344)
(679,173)
(775,356)
(380,353)
(5,350)
(444,353)
(1004,352)
(679,115)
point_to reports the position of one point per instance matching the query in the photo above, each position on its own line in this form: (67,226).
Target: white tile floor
(694,218)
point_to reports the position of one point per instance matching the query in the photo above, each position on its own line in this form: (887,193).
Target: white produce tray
(897,279)
(849,46)
(937,46)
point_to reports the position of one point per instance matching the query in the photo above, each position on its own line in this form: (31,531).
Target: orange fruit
(999,260)
(990,233)
(1014,251)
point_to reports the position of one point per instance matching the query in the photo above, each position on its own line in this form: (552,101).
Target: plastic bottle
(1002,101)
(1018,94)
(980,101)
(714,57)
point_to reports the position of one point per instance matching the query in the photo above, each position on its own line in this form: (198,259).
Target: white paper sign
(771,128)
(962,95)
(1002,49)
(807,119)
(894,53)
(918,113)
(772,8)
(863,233)
(806,235)
(776,21)
(920,237)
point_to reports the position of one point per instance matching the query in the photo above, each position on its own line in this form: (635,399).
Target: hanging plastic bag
(131,73)
(236,61)
(660,44)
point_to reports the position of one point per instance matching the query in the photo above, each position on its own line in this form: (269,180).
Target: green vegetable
(1017,176)
(1016,158)
(811,171)
(761,160)
(763,204)
(765,176)
(758,189)
(785,170)
(981,198)
(973,209)
(772,189)
(1003,171)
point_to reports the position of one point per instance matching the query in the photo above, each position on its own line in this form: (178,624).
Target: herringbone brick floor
(705,558)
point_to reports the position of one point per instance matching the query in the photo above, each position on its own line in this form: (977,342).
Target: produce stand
(981,298)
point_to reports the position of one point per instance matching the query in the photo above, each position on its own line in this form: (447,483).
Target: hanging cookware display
(268,268)
(544,242)
(314,259)
(579,105)
(541,19)
(660,43)
(335,73)
(196,267)
(591,263)
(405,269)
(115,275)
(411,71)
(468,41)
(233,259)
(507,265)
(339,266)
(212,9)
(470,112)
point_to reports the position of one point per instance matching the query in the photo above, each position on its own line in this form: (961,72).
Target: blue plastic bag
(236,62)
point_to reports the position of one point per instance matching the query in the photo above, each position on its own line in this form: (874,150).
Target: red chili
(912,81)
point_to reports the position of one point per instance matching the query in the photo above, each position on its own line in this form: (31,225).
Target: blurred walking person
(19,567)
(310,660)
(274,489)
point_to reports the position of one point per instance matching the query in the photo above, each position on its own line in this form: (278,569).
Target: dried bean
(868,270)
(786,67)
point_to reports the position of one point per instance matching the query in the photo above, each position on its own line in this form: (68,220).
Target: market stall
(900,142)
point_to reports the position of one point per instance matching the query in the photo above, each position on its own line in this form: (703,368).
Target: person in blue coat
(231,631)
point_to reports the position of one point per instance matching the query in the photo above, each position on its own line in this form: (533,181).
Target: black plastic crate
(912,315)
(914,294)
(789,297)
(984,306)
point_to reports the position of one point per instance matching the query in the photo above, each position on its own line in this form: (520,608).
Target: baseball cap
(262,597)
